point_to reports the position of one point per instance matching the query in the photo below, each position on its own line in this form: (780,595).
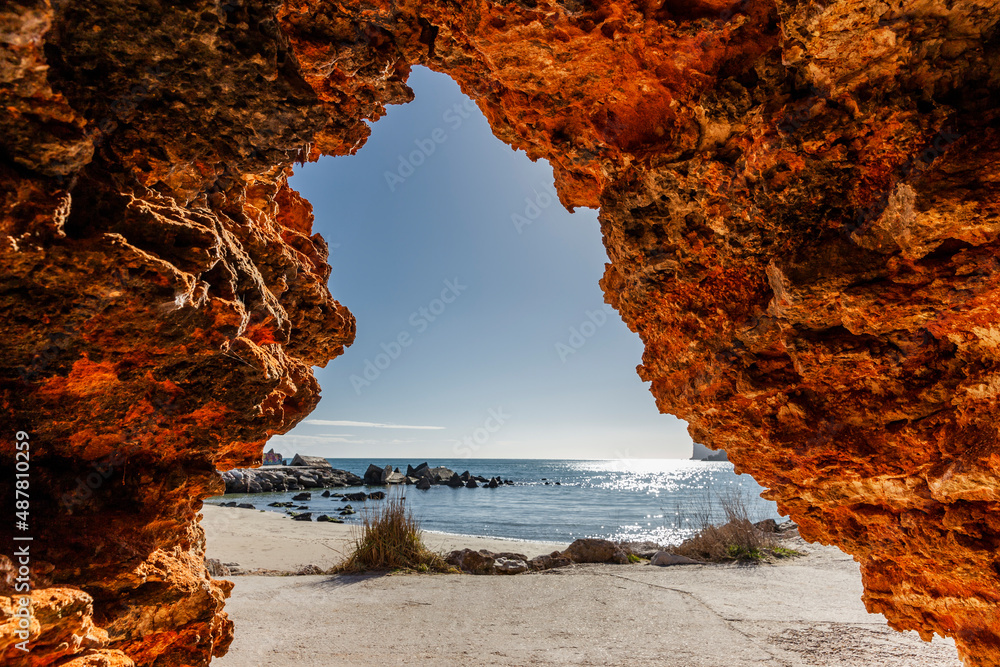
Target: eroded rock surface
(799,201)
(163,298)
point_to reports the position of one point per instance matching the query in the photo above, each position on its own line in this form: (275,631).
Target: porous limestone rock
(593,550)
(799,202)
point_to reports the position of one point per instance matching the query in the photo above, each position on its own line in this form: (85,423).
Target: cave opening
(433,204)
(482,332)
(776,183)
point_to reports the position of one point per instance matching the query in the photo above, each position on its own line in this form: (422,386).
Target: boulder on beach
(594,550)
(246,506)
(664,558)
(509,566)
(512,555)
(376,495)
(644,549)
(358,497)
(302,496)
(305,516)
(487,562)
(788,529)
(216,568)
(475,562)
(767,526)
(549,561)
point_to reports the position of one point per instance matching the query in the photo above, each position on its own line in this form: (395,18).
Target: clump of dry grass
(388,538)
(736,540)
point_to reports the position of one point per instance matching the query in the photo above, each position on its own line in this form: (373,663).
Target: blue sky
(480,318)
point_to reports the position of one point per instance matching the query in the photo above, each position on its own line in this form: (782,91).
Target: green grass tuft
(737,552)
(782,552)
(736,540)
(388,538)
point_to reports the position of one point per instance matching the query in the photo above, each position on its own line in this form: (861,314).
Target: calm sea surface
(655,499)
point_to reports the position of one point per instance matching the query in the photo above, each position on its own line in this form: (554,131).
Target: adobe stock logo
(580,334)
(420,320)
(472,443)
(533,207)
(455,117)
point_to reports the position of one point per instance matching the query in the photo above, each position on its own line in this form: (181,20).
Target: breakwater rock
(424,476)
(286,478)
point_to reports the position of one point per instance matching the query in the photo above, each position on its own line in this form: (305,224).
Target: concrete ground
(805,611)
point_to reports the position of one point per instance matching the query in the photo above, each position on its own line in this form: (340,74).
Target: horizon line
(509,458)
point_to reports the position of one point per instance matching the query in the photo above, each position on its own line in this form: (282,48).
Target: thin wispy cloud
(311,442)
(341,422)
(323,437)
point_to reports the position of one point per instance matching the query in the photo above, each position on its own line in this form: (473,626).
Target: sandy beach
(268,540)
(805,611)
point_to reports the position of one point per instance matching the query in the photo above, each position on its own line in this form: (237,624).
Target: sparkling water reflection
(628,499)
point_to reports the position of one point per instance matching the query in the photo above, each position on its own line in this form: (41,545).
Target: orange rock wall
(799,202)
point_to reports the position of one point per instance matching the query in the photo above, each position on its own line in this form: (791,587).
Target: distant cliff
(703,453)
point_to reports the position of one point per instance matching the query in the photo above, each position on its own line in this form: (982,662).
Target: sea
(662,500)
